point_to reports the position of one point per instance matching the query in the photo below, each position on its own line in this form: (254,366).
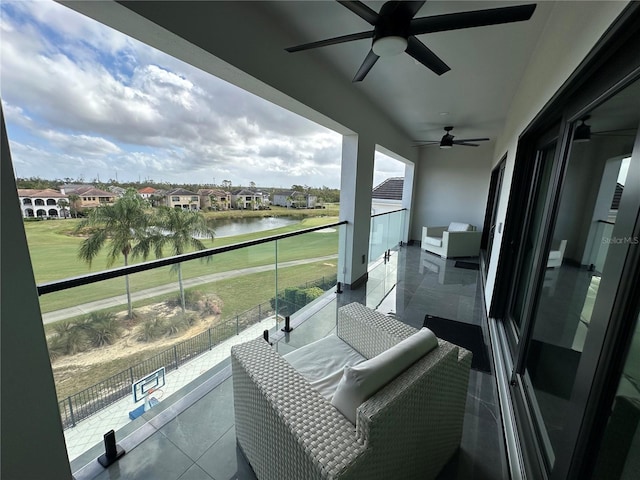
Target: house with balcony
(182,198)
(88,196)
(43,203)
(556,95)
(387,196)
(214,199)
(294,199)
(246,199)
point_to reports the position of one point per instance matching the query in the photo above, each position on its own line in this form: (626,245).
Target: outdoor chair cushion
(460,227)
(361,381)
(435,241)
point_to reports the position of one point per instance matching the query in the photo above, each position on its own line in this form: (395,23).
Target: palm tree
(180,229)
(63,204)
(73,199)
(124,224)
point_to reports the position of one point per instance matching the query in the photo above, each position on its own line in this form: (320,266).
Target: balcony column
(33,444)
(355,207)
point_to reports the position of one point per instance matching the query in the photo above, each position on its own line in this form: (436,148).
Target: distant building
(387,196)
(294,199)
(119,191)
(214,199)
(245,199)
(88,195)
(147,192)
(182,198)
(42,203)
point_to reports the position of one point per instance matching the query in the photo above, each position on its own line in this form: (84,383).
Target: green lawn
(54,257)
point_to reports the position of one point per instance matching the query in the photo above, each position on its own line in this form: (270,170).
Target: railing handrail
(59,285)
(388,213)
(605,221)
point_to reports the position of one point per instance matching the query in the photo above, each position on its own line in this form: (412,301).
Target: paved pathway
(85,308)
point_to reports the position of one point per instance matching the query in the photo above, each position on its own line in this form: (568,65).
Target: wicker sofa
(409,429)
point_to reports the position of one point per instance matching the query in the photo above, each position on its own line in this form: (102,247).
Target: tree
(226,184)
(73,202)
(63,204)
(252,185)
(124,225)
(180,229)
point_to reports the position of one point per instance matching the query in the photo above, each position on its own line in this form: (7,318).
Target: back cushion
(460,227)
(361,381)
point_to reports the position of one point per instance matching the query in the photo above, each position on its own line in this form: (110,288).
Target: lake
(227,227)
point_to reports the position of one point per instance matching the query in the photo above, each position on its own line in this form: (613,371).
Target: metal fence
(91,400)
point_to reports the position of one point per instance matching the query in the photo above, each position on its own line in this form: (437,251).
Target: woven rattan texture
(407,430)
(370,332)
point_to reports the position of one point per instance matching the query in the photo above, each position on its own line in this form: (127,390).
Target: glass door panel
(572,297)
(531,237)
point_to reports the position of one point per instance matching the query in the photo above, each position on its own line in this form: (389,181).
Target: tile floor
(199,442)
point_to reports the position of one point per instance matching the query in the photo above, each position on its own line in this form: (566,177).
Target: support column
(33,444)
(355,207)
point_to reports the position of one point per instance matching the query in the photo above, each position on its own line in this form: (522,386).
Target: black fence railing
(91,400)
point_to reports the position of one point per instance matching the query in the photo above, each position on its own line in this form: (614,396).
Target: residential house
(214,199)
(544,91)
(147,192)
(294,199)
(43,203)
(119,191)
(387,196)
(245,199)
(88,196)
(182,198)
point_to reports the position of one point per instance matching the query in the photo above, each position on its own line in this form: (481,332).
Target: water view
(227,227)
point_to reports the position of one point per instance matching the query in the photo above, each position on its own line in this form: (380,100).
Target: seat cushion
(322,363)
(435,241)
(361,381)
(460,227)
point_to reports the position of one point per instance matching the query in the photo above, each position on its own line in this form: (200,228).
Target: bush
(70,338)
(191,299)
(179,323)
(152,329)
(102,328)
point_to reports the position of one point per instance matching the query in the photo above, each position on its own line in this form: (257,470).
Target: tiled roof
(390,189)
(181,191)
(147,190)
(47,192)
(617,195)
(91,192)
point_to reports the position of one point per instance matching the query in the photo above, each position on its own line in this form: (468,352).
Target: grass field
(54,254)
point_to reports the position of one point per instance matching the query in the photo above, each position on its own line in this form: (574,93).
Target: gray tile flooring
(199,443)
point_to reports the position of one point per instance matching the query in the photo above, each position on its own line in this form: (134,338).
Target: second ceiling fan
(395,29)
(447,140)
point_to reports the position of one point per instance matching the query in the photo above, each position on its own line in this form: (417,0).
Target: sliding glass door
(573,261)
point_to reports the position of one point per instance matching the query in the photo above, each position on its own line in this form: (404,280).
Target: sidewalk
(89,307)
(89,432)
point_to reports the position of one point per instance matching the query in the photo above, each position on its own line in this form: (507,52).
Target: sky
(84,101)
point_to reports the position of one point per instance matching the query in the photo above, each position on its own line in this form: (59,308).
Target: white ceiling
(486,63)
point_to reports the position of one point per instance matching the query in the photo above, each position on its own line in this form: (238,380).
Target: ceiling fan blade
(466,144)
(331,41)
(368,63)
(419,143)
(421,53)
(413,7)
(475,18)
(362,11)
(472,140)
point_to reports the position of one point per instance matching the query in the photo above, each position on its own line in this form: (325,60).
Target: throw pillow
(361,381)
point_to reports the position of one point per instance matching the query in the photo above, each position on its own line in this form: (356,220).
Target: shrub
(191,298)
(70,338)
(179,323)
(102,328)
(152,329)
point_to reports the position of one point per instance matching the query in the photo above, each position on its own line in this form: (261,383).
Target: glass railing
(186,313)
(386,233)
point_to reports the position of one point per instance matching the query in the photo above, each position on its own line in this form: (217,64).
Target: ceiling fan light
(582,133)
(447,141)
(389,46)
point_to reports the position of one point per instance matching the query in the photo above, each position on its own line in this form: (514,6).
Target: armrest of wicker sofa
(416,419)
(370,332)
(286,429)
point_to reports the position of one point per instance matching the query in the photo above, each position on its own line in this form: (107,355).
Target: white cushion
(322,363)
(361,381)
(435,241)
(460,227)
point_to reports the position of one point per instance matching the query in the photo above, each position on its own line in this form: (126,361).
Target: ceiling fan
(395,29)
(447,140)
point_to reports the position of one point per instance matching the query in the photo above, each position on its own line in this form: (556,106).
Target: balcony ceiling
(487,63)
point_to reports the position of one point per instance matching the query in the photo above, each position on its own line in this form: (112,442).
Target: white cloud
(89,99)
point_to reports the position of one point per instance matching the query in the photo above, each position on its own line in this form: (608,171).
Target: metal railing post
(175,355)
(73,420)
